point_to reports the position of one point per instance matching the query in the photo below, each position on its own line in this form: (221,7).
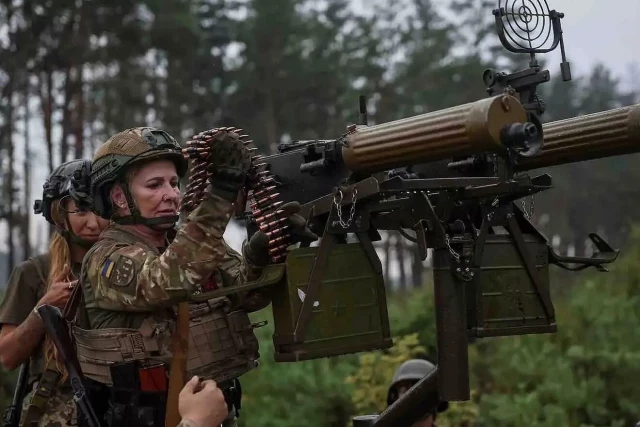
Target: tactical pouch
(129,404)
(99,349)
(343,311)
(40,398)
(153,378)
(222,344)
(135,409)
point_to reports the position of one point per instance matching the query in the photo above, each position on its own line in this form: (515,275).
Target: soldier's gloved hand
(257,249)
(229,163)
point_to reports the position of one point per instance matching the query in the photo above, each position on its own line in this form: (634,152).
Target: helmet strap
(71,237)
(135,218)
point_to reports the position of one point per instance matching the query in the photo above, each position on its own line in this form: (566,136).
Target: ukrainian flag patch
(107,269)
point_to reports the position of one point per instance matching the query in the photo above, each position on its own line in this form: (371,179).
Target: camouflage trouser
(60,411)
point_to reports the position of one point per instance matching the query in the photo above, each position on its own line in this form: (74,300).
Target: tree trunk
(9,184)
(417,269)
(66,115)
(272,133)
(46,104)
(400,250)
(386,249)
(26,171)
(78,126)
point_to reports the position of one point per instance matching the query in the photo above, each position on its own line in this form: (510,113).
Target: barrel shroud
(462,130)
(592,136)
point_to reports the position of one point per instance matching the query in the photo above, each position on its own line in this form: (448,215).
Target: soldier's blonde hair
(60,256)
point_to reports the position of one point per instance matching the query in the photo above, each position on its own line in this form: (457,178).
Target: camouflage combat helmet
(71,179)
(412,370)
(115,156)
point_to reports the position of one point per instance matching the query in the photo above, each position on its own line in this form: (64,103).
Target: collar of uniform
(114,232)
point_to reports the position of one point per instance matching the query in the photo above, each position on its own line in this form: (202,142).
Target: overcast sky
(601,31)
(594,31)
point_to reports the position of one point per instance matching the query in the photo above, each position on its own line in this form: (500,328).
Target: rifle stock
(421,399)
(57,329)
(13,411)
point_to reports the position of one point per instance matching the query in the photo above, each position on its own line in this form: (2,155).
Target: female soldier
(133,275)
(49,279)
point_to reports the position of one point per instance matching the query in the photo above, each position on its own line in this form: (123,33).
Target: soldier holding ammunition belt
(49,279)
(136,274)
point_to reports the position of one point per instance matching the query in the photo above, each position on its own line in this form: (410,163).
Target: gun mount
(455,193)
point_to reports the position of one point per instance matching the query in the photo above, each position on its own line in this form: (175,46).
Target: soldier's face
(85,224)
(155,189)
(404,387)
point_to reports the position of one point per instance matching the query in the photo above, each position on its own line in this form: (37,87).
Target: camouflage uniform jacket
(126,279)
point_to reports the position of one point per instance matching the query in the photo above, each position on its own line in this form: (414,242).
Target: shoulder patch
(122,272)
(107,269)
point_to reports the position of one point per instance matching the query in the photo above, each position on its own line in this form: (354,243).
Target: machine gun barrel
(593,136)
(462,130)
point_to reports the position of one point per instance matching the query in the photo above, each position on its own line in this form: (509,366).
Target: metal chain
(495,174)
(451,251)
(524,208)
(337,201)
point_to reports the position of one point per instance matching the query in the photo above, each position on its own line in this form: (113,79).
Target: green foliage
(372,379)
(583,375)
(412,318)
(413,313)
(312,393)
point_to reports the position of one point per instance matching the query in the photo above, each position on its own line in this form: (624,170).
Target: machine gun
(447,180)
